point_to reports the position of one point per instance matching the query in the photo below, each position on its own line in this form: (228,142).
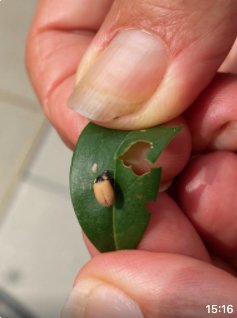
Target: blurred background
(41,247)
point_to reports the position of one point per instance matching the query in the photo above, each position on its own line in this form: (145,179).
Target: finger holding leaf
(100,153)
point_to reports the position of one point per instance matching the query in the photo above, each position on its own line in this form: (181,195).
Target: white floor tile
(18,131)
(15,19)
(52,159)
(41,249)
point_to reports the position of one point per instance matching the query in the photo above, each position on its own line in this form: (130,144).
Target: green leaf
(122,225)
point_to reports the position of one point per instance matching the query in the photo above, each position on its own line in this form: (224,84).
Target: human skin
(187,257)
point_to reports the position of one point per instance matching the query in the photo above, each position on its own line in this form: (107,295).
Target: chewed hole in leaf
(135,158)
(126,154)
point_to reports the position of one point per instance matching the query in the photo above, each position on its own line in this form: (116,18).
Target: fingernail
(226,139)
(94,299)
(122,78)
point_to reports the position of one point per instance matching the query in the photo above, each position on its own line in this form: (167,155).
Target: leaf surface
(100,149)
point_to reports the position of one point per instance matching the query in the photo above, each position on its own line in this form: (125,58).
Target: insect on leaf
(100,149)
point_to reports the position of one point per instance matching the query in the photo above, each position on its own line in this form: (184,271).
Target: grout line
(17,100)
(37,181)
(37,147)
(10,190)
(45,183)
(24,173)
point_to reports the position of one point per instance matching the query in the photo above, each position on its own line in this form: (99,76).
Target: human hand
(172,273)
(180,49)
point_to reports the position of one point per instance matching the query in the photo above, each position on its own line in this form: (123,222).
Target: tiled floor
(41,247)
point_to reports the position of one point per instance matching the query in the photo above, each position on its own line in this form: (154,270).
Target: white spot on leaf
(94,167)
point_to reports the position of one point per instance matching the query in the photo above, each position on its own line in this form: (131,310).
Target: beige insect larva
(103,189)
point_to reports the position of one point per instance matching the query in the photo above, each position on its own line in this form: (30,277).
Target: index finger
(60,34)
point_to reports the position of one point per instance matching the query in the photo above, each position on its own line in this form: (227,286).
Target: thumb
(151,59)
(139,284)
